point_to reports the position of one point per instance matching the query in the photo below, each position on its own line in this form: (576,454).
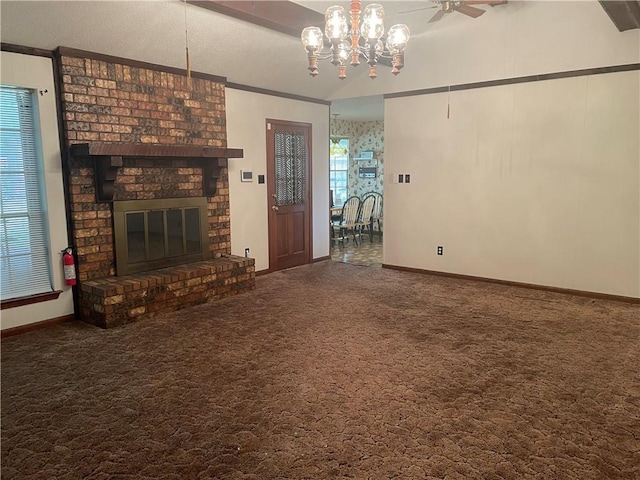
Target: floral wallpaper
(363,136)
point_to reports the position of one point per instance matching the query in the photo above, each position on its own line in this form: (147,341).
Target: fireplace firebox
(153,234)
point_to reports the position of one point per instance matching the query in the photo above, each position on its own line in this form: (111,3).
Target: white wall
(37,73)
(536,183)
(246,128)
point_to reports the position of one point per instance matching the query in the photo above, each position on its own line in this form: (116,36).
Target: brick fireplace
(137,132)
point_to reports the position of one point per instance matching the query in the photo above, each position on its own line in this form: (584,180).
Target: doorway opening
(356,169)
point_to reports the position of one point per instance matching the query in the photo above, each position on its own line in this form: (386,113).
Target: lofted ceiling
(268,56)
(154,31)
(272,57)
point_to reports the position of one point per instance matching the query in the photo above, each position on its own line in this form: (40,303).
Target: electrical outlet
(400,178)
(246,252)
(440,249)
(407,178)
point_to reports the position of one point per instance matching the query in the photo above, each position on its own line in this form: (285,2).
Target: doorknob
(274,195)
(275,208)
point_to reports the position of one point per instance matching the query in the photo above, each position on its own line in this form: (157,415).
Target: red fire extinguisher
(69,266)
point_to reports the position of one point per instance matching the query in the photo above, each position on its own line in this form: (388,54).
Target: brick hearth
(114,301)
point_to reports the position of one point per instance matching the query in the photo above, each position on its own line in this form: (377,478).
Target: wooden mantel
(107,157)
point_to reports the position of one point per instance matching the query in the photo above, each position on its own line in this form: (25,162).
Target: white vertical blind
(24,255)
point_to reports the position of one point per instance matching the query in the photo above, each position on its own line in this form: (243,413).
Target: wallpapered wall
(363,136)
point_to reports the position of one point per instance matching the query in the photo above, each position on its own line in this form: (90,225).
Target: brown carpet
(334,371)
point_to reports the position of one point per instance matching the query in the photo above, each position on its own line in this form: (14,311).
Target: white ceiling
(359,108)
(154,31)
(463,49)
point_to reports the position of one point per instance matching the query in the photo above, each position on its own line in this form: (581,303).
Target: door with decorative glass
(289,190)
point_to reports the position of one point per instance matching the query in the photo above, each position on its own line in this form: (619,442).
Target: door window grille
(290,168)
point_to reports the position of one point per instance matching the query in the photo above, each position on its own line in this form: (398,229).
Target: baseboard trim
(30,327)
(313,260)
(532,286)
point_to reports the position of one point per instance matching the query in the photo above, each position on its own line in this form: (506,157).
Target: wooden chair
(334,216)
(376,216)
(348,221)
(365,218)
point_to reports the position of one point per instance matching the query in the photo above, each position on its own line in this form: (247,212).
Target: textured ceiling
(455,49)
(154,31)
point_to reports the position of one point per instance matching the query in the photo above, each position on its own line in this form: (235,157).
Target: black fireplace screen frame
(129,255)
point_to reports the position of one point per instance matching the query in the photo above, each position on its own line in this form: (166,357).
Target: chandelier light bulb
(398,38)
(372,22)
(343,48)
(336,26)
(311,38)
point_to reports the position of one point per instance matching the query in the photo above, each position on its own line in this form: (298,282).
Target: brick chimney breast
(111,100)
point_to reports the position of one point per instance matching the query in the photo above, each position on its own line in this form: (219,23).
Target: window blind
(24,253)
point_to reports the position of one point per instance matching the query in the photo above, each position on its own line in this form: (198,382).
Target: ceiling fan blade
(470,11)
(439,14)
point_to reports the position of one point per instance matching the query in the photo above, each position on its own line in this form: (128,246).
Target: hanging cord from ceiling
(186,44)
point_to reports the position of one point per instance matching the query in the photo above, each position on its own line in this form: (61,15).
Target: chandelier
(364,38)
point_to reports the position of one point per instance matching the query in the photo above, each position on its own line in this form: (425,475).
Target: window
(339,169)
(24,255)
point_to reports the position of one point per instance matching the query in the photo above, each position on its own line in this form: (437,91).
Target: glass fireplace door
(152,234)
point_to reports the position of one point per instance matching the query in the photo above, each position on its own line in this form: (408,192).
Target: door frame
(271,189)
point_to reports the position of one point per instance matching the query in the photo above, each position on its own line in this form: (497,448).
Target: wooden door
(289,190)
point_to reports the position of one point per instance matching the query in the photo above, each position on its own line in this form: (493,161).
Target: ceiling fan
(463,6)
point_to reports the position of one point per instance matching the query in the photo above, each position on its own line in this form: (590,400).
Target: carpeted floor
(333,371)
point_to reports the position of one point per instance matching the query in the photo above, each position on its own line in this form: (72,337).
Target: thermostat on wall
(246,176)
